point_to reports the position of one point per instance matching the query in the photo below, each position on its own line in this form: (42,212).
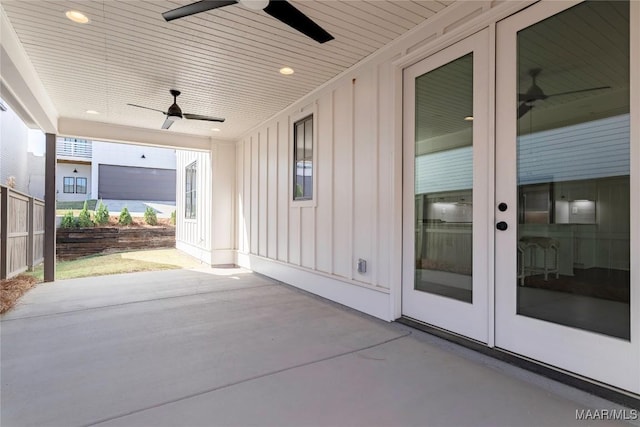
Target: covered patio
(230,347)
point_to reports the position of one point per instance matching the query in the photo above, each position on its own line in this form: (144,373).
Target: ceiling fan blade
(287,13)
(147,108)
(199,117)
(579,91)
(524,109)
(167,123)
(193,8)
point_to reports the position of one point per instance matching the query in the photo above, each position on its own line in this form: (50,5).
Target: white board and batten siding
(193,236)
(355,213)
(357,182)
(210,236)
(316,245)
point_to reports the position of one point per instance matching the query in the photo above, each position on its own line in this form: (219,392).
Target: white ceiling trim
(88,129)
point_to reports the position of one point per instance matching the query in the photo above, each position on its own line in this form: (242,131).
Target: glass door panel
(444,180)
(564,123)
(573,170)
(445,163)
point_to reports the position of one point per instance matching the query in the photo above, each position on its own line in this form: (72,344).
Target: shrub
(150,216)
(102,214)
(173,218)
(68,221)
(84,217)
(125,217)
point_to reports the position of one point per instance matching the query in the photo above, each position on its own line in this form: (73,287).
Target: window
(190,191)
(303,159)
(69,184)
(81,185)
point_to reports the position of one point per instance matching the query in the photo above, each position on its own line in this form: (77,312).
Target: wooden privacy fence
(21,232)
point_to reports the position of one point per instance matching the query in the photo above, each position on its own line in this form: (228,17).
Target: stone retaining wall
(79,242)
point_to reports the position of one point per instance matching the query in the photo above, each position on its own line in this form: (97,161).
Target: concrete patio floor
(226,347)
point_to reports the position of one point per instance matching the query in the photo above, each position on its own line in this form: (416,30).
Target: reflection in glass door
(573,172)
(563,119)
(445,164)
(443,183)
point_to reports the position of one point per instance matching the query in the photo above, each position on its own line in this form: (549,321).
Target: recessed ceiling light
(286,71)
(469,118)
(215,129)
(76,16)
(91,112)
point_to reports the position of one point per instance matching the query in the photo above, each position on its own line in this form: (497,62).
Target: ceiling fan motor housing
(174,112)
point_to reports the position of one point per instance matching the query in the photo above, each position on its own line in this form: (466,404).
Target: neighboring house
(21,153)
(104,170)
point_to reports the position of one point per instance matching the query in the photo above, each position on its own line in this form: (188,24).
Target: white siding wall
(14,137)
(223,204)
(35,166)
(351,208)
(356,210)
(211,236)
(194,235)
(66,170)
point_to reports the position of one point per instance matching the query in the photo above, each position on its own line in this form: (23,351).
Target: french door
(446,183)
(528,239)
(566,289)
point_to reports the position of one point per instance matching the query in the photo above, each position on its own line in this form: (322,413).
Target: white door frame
(607,359)
(470,320)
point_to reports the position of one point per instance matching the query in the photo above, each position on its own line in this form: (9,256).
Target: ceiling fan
(174,113)
(535,93)
(279,9)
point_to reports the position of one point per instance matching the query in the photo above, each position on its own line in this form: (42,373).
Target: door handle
(502,226)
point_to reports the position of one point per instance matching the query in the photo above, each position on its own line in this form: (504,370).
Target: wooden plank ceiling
(225,61)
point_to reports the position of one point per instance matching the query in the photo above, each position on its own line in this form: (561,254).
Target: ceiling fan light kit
(254,4)
(280,9)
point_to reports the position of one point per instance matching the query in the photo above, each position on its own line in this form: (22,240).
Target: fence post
(32,236)
(4,230)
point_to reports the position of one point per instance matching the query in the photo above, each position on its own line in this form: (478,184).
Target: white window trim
(194,207)
(303,113)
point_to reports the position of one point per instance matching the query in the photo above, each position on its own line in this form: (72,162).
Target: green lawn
(91,205)
(126,262)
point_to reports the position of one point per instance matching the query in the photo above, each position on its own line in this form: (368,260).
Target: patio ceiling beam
(78,128)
